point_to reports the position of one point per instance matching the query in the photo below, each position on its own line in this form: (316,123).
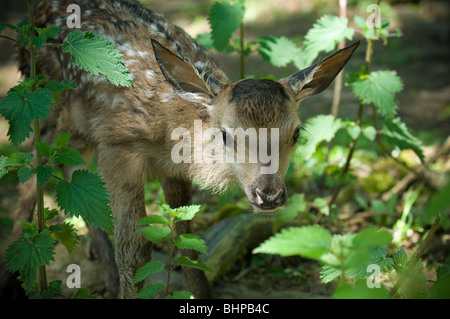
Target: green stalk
(171,245)
(39,188)
(368,62)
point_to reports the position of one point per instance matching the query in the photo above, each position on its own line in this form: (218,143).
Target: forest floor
(420,57)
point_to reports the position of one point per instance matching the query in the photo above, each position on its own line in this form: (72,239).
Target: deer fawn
(176,84)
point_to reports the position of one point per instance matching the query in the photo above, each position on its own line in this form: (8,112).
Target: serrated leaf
(54,287)
(43,173)
(150,291)
(371,237)
(189,241)
(370,133)
(62,139)
(44,148)
(224,19)
(279,51)
(186,261)
(83,293)
(183,294)
(150,268)
(308,241)
(153,219)
(400,257)
(379,88)
(24,173)
(69,156)
(20,110)
(324,35)
(205,40)
(318,129)
(86,196)
(329,273)
(25,255)
(155,233)
(65,234)
(18,159)
(186,212)
(397,134)
(354,132)
(3,168)
(96,54)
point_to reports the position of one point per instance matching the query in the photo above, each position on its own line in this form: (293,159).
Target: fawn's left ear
(190,83)
(316,78)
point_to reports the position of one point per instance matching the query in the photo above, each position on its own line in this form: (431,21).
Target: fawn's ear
(316,78)
(189,82)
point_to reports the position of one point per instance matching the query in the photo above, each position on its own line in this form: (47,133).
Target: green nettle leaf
(205,40)
(225,18)
(54,288)
(19,159)
(26,254)
(153,219)
(324,35)
(186,212)
(183,294)
(379,88)
(155,233)
(186,261)
(65,234)
(3,168)
(150,268)
(397,134)
(370,133)
(360,290)
(309,241)
(83,293)
(318,129)
(43,173)
(86,196)
(20,110)
(96,54)
(372,237)
(62,139)
(149,291)
(44,148)
(189,241)
(69,156)
(24,173)
(279,51)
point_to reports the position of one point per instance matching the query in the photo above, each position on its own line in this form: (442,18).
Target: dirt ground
(421,58)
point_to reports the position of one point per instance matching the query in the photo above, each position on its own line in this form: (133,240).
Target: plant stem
(368,62)
(241,51)
(418,254)
(169,266)
(39,188)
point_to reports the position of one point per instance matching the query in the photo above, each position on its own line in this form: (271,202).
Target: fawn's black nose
(270,199)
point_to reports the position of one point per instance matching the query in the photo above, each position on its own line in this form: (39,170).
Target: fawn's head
(256,117)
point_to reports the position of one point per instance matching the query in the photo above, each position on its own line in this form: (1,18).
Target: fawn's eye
(296,135)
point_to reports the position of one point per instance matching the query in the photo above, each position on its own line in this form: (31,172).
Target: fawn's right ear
(190,83)
(316,78)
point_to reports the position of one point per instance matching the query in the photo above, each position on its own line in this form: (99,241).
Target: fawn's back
(96,112)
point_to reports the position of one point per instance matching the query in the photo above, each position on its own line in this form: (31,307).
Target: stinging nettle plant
(348,255)
(84,195)
(159,228)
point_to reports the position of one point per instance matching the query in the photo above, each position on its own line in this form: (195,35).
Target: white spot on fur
(142,54)
(150,73)
(167,97)
(55,5)
(87,13)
